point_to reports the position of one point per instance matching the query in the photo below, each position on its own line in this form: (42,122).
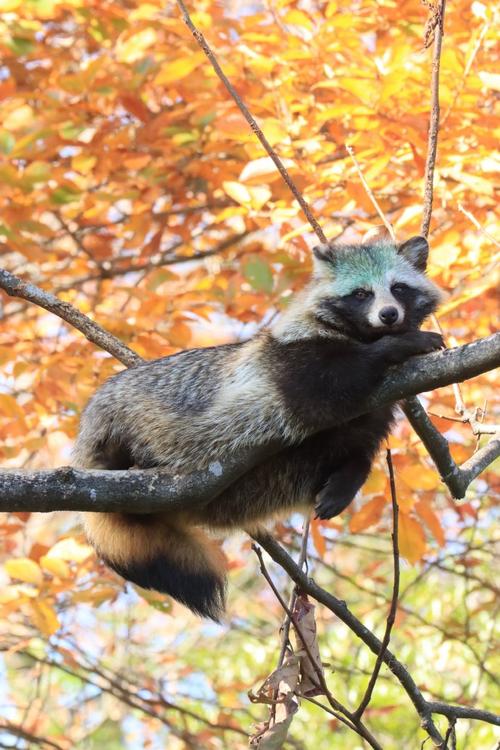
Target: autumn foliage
(132,187)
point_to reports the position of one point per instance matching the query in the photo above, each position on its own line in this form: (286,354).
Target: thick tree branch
(152,490)
(140,491)
(16,287)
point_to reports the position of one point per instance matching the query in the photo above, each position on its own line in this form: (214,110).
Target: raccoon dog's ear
(415,251)
(324,253)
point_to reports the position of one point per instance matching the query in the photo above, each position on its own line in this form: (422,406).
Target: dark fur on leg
(341,487)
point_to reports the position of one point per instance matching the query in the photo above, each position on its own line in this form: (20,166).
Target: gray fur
(183,412)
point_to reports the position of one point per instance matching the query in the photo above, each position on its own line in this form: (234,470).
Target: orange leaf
(419,477)
(376,483)
(44,617)
(426,513)
(412,544)
(318,538)
(369,514)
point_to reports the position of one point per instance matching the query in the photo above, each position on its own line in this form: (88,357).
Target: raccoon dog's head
(369,290)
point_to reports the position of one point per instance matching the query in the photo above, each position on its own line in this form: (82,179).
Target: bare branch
(135,490)
(391,617)
(16,287)
(478,226)
(119,267)
(251,121)
(434,119)
(354,722)
(463,712)
(370,194)
(339,608)
(456,478)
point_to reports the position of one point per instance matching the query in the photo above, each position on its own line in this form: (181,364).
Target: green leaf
(258,273)
(20,45)
(108,734)
(63,195)
(7,142)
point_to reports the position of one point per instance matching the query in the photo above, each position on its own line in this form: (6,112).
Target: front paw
(329,505)
(427,341)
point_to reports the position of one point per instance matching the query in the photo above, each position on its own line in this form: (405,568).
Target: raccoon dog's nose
(388,315)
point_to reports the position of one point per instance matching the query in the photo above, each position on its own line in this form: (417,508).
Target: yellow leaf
(298,18)
(259,196)
(412,544)
(83,163)
(145,11)
(44,617)
(237,192)
(18,118)
(71,550)
(363,88)
(96,595)
(175,70)
(264,167)
(275,131)
(16,591)
(419,477)
(25,570)
(369,514)
(376,483)
(9,407)
(55,566)
(133,48)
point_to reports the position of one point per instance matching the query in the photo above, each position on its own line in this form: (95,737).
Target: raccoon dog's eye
(361,294)
(399,288)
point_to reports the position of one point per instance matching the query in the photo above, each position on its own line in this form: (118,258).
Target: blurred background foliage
(131,186)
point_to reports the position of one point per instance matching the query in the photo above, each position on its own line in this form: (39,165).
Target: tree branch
(424,708)
(430,163)
(391,617)
(339,608)
(456,478)
(152,490)
(16,287)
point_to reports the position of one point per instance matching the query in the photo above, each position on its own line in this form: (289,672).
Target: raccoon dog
(298,380)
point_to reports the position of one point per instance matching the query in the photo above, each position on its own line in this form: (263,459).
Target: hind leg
(341,487)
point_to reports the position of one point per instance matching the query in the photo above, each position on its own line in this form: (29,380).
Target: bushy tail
(157,552)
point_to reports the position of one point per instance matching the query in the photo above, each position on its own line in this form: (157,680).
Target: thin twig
(339,608)
(251,121)
(285,627)
(117,267)
(478,225)
(434,121)
(467,69)
(391,617)
(456,478)
(353,722)
(370,194)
